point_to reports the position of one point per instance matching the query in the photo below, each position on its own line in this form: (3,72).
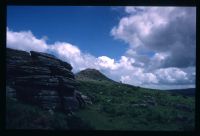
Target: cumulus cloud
(162,30)
(172,76)
(106,62)
(73,55)
(161,53)
(25,40)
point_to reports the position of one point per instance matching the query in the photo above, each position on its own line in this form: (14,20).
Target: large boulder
(41,79)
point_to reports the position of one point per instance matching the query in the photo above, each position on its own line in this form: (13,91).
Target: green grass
(113,108)
(23,116)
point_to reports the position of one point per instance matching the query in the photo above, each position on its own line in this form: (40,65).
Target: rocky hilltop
(91,74)
(42,79)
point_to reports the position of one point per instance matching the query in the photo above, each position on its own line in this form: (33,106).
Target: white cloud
(25,40)
(172,75)
(107,62)
(73,55)
(162,30)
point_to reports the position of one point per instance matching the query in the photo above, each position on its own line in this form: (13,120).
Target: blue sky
(88,27)
(153,47)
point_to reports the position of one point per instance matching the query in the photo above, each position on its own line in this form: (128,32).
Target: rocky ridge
(42,79)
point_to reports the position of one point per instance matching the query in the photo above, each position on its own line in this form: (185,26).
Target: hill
(91,74)
(118,106)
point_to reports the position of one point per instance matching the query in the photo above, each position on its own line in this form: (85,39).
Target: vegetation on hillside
(119,106)
(23,116)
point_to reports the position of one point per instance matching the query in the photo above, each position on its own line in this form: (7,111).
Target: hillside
(91,74)
(118,106)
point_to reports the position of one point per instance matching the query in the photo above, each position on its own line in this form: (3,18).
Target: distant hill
(91,74)
(185,92)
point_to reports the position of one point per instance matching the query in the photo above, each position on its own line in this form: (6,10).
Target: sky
(151,47)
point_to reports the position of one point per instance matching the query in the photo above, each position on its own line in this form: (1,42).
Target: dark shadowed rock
(45,62)
(66,65)
(11,93)
(37,81)
(35,54)
(71,103)
(61,71)
(49,100)
(15,56)
(67,80)
(29,70)
(12,53)
(42,79)
(48,93)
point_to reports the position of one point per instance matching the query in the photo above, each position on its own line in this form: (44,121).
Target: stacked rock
(42,79)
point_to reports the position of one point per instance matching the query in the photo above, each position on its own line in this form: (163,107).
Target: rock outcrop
(41,79)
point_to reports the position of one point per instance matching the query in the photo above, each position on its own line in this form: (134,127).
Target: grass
(113,108)
(23,116)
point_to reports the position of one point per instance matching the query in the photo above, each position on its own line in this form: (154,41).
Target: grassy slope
(113,108)
(24,116)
